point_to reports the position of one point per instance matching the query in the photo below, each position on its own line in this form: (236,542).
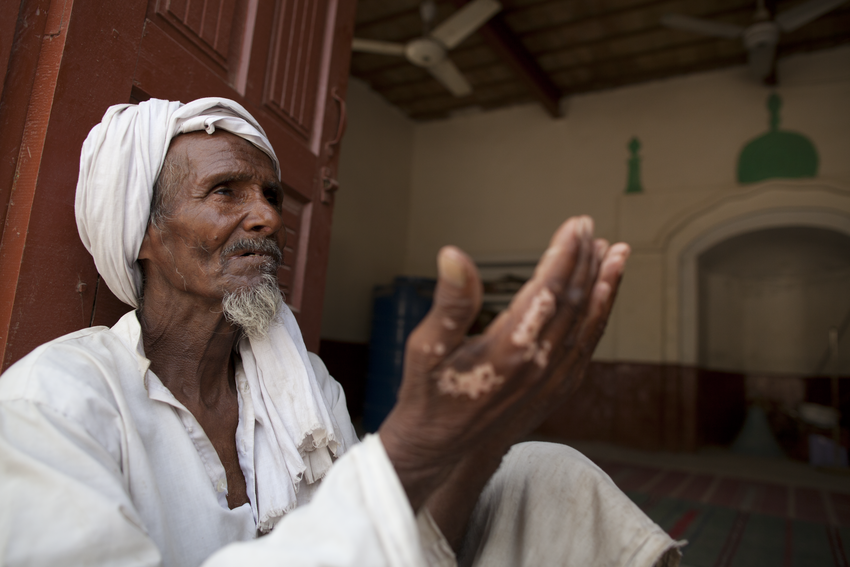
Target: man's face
(219,232)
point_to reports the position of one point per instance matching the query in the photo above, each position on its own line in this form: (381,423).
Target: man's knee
(549,466)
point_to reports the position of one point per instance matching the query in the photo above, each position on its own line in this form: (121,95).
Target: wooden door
(286,61)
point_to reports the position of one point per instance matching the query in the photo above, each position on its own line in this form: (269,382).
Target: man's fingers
(565,276)
(601,302)
(602,246)
(564,330)
(585,273)
(457,299)
(518,330)
(568,359)
(561,255)
(604,292)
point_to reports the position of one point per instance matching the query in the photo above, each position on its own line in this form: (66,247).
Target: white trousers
(550,505)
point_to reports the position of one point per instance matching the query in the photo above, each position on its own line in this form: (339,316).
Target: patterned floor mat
(733,522)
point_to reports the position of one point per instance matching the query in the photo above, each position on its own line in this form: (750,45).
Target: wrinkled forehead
(199,149)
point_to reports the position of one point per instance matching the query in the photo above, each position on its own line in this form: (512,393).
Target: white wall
(370,221)
(503,180)
(498,183)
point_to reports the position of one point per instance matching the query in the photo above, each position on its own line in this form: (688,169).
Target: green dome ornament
(778,153)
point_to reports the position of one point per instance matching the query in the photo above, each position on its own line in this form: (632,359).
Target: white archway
(812,203)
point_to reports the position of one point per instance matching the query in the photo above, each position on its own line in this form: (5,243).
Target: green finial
(634,185)
(774,103)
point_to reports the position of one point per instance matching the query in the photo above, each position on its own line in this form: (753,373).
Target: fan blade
(805,13)
(450,76)
(465,21)
(697,25)
(375,46)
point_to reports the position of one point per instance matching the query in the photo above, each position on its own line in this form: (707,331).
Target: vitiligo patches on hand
(480,380)
(525,335)
(539,354)
(483,378)
(439,349)
(541,310)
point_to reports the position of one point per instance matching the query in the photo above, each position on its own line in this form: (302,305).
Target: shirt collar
(130,330)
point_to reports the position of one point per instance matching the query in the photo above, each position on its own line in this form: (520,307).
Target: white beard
(254,309)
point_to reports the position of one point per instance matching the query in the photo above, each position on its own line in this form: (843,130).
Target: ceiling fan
(762,36)
(429,51)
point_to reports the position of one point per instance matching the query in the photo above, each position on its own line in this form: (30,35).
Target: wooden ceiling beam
(628,13)
(633,57)
(581,48)
(627,26)
(726,52)
(370,74)
(451,107)
(390,18)
(500,39)
(626,78)
(425,95)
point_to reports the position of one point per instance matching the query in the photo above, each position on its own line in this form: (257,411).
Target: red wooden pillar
(48,278)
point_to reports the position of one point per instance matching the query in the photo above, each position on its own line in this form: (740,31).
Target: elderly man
(199,421)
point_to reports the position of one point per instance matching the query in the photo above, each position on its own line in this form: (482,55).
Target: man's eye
(222,191)
(272,197)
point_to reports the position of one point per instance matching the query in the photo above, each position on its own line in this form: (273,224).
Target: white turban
(120,162)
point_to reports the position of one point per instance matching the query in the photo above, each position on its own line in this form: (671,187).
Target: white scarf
(120,162)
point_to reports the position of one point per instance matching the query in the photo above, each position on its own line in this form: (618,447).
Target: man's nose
(262,216)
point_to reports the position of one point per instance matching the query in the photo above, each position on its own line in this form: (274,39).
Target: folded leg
(550,505)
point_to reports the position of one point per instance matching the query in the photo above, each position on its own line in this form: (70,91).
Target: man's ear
(146,250)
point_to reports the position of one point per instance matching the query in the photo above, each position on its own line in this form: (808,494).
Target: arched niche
(768,298)
(773,204)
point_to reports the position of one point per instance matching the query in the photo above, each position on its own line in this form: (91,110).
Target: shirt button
(221,485)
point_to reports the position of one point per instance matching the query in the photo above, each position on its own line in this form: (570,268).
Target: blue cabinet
(396,310)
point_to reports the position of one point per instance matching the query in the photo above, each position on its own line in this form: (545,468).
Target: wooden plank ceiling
(570,46)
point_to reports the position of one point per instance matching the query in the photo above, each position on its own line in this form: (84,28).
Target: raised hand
(459,395)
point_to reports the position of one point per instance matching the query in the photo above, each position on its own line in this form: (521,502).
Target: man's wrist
(419,470)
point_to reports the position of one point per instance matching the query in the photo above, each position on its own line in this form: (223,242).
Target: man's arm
(452,503)
(464,402)
(64,502)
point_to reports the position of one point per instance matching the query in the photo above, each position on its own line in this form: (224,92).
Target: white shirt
(101,465)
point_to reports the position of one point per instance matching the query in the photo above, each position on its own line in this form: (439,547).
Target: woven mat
(733,522)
